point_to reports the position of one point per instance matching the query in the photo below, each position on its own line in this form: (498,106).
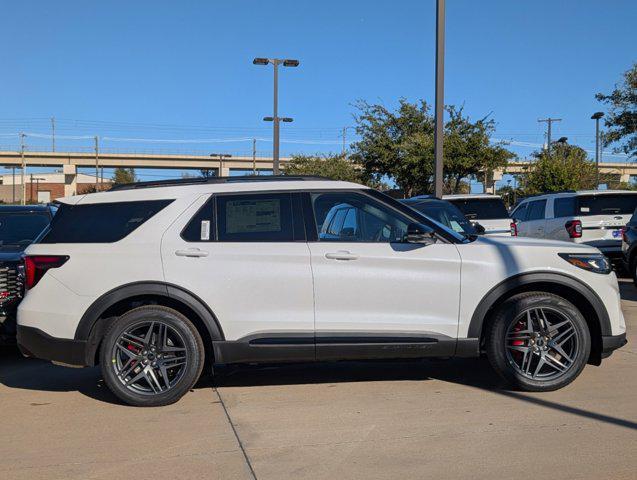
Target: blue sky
(129,66)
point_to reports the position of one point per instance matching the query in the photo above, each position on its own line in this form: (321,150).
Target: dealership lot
(435,419)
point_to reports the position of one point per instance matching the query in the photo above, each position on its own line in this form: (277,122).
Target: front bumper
(611,343)
(33,342)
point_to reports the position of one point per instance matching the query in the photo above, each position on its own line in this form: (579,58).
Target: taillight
(574,228)
(514,229)
(624,237)
(35,266)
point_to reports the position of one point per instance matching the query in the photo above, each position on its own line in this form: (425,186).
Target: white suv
(486,209)
(593,217)
(155,281)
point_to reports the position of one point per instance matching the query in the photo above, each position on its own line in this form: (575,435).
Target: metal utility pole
(97,163)
(596,116)
(254,156)
(275,116)
(549,121)
(345,139)
(24,167)
(13,168)
(440,97)
(53,134)
(31,188)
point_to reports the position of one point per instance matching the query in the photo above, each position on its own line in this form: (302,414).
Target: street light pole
(275,121)
(440,97)
(596,116)
(275,114)
(220,156)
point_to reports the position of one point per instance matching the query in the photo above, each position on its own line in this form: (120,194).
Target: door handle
(191,252)
(341,255)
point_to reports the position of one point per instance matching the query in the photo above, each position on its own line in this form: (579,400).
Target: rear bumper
(611,343)
(33,342)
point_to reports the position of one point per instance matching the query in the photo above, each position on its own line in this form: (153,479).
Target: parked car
(488,210)
(155,280)
(19,226)
(591,217)
(629,247)
(445,213)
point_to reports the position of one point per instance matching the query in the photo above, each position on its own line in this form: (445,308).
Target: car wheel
(151,356)
(538,341)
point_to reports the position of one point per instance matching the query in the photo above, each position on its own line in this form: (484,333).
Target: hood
(9,253)
(526,242)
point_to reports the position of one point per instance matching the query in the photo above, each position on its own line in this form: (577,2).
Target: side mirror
(419,233)
(479,228)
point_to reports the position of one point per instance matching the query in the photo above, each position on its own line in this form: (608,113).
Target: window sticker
(246,216)
(585,209)
(205,230)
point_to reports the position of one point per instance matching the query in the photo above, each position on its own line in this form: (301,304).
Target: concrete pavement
(427,419)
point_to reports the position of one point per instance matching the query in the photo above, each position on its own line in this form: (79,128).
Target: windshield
(610,204)
(481,208)
(446,231)
(21,228)
(445,213)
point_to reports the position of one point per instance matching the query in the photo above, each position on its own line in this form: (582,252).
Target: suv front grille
(11,283)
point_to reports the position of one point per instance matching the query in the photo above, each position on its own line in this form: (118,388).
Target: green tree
(510,194)
(622,116)
(207,173)
(336,167)
(400,144)
(124,175)
(567,167)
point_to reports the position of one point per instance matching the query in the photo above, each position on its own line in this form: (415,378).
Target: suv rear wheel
(151,356)
(538,341)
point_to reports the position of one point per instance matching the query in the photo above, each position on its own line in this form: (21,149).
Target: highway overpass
(70,161)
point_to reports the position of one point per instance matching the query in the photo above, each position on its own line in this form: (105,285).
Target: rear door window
(536,210)
(255,218)
(481,208)
(100,222)
(520,213)
(606,204)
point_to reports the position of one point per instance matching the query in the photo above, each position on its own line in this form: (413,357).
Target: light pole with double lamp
(275,119)
(220,157)
(596,116)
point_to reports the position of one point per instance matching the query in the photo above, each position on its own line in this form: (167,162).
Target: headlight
(593,262)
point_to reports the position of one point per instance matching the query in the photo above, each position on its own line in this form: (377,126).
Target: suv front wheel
(538,341)
(151,356)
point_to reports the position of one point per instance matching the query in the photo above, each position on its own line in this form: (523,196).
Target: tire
(633,272)
(143,370)
(533,360)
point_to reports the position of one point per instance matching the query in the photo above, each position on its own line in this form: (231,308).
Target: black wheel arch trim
(522,279)
(90,330)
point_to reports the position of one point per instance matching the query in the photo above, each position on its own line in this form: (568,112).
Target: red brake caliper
(517,343)
(135,350)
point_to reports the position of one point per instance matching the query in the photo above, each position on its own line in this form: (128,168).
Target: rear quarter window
(564,207)
(606,204)
(100,222)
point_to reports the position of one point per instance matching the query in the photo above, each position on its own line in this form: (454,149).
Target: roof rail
(202,180)
(548,193)
(423,197)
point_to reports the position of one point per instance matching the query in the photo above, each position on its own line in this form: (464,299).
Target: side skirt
(278,348)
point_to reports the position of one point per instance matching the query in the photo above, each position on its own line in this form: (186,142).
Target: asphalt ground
(442,419)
